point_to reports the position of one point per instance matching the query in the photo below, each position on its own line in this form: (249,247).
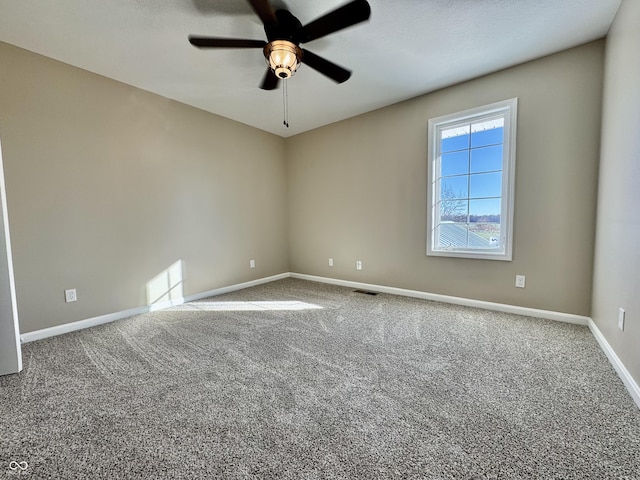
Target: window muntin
(471,176)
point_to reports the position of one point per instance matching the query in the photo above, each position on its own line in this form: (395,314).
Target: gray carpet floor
(300,380)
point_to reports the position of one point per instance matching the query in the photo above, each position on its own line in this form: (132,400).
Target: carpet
(301,380)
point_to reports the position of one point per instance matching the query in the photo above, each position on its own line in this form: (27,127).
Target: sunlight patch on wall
(165,289)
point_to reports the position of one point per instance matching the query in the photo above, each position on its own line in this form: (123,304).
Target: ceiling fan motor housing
(283,57)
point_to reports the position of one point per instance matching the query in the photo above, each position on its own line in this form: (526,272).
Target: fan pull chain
(285,103)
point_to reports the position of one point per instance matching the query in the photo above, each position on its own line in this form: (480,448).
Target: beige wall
(108,185)
(617,256)
(358,190)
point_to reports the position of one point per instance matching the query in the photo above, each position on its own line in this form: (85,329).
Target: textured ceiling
(407,48)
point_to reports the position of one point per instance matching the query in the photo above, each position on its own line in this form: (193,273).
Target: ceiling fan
(285,33)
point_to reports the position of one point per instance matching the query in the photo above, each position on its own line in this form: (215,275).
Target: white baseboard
(215,292)
(618,366)
(500,307)
(80,324)
(111,317)
(238,286)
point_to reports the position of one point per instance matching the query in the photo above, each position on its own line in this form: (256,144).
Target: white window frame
(508,109)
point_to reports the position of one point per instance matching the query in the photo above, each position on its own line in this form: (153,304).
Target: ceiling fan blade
(213,42)
(270,80)
(330,69)
(265,11)
(343,17)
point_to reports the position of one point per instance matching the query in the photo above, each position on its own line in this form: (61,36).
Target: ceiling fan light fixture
(283,57)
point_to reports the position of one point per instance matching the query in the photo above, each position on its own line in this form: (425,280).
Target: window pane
(484,222)
(486,159)
(485,185)
(487,133)
(489,232)
(462,235)
(455,163)
(452,235)
(455,143)
(454,187)
(485,210)
(453,210)
(454,139)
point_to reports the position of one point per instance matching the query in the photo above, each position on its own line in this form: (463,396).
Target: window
(470,182)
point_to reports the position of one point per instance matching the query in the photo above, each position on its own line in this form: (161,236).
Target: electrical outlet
(70,295)
(358,265)
(621,314)
(331,262)
(520,281)
(252,263)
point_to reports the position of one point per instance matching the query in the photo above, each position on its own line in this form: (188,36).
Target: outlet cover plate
(520,281)
(70,295)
